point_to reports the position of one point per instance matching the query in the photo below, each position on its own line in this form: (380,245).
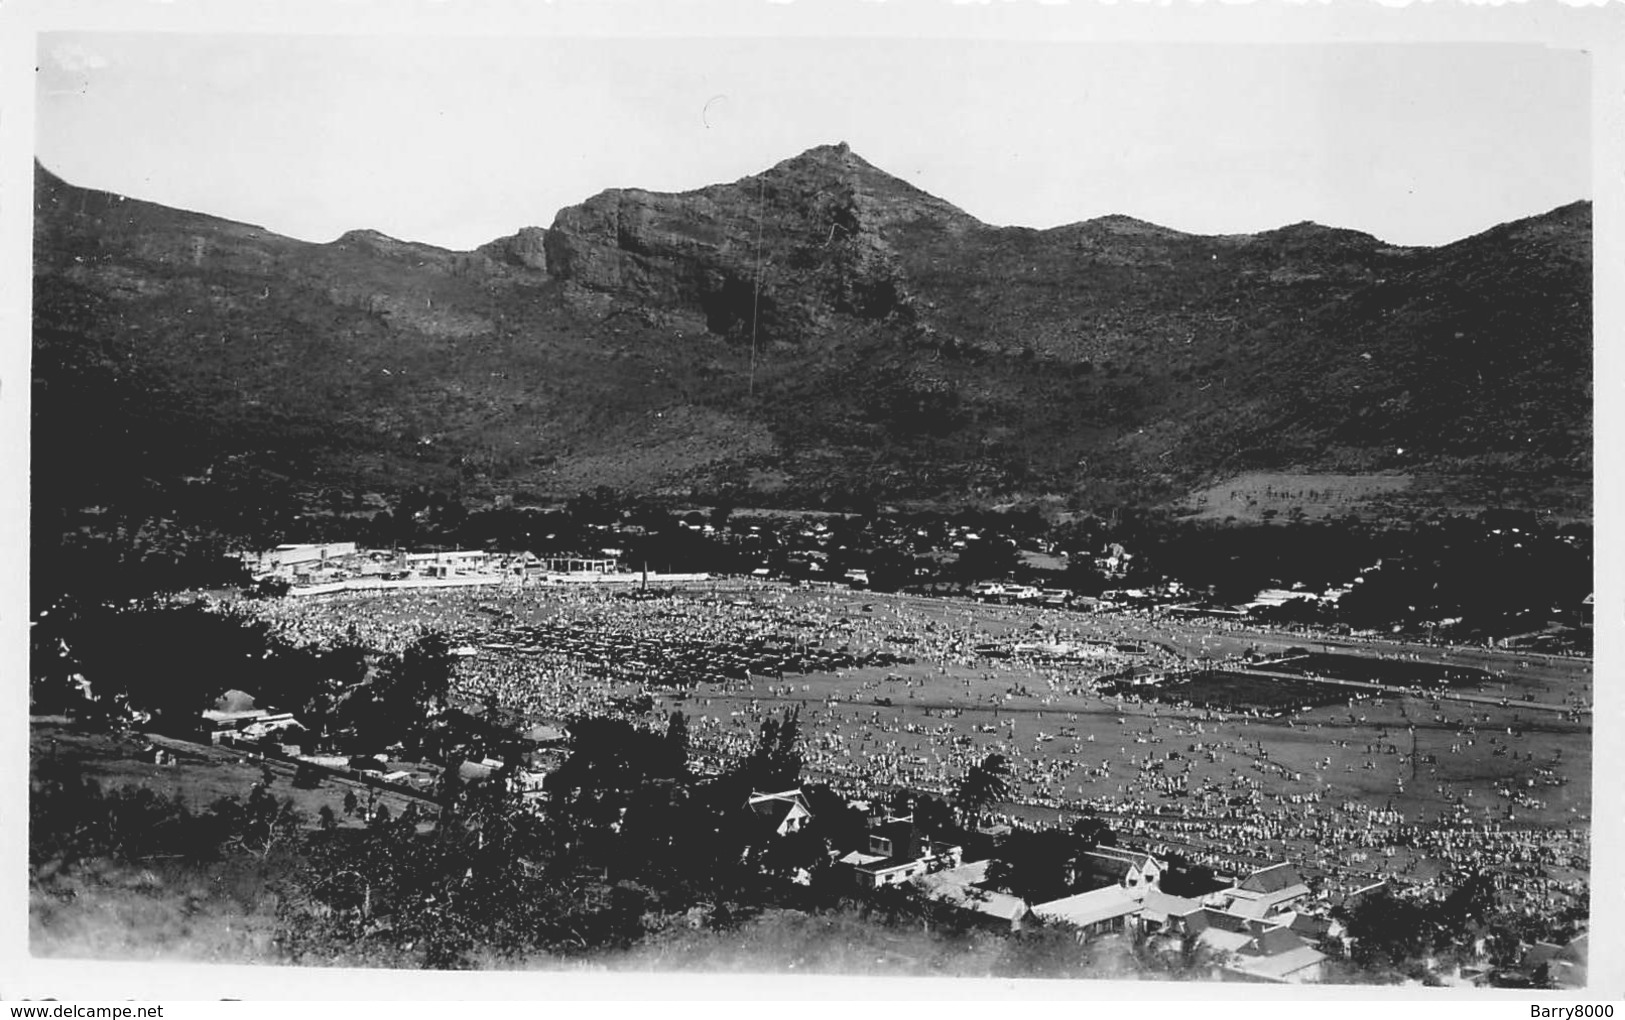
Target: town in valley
(770,566)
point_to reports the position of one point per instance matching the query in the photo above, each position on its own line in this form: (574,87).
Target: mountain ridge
(818,330)
(1107,220)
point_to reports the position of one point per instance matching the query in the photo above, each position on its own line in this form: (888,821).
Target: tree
(987,557)
(677,743)
(776,762)
(934,817)
(1470,903)
(395,706)
(1092,832)
(173,662)
(984,784)
(1037,865)
(840,824)
(1388,931)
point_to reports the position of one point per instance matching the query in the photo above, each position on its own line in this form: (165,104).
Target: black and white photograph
(1056,508)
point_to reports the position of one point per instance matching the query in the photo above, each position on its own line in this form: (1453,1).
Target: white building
(290,561)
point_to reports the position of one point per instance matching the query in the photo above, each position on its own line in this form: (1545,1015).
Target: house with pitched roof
(1264,893)
(1112,908)
(1250,949)
(1276,956)
(1160,911)
(1130,869)
(784,813)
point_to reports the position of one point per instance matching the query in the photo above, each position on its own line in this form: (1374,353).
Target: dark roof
(1276,941)
(1358,896)
(1109,866)
(1311,926)
(1112,862)
(902,835)
(1120,854)
(1216,918)
(772,811)
(1272,879)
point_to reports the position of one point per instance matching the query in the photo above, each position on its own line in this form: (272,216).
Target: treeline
(167,663)
(1392,937)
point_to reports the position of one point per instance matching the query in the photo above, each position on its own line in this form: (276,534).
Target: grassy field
(1232,691)
(1281,496)
(1046,717)
(200,774)
(1254,497)
(1392,672)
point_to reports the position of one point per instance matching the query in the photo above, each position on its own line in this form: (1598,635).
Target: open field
(200,774)
(1254,497)
(1265,495)
(1390,672)
(1236,691)
(1372,782)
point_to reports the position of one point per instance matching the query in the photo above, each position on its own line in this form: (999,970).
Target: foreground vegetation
(632,862)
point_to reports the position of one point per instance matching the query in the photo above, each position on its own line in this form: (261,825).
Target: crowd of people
(909,693)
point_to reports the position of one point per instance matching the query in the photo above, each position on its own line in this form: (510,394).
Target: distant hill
(819,333)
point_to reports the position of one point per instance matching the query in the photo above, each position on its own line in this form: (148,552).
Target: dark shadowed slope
(821,330)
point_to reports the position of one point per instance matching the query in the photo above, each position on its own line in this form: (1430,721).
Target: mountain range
(819,334)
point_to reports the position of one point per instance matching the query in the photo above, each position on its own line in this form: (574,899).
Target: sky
(457,141)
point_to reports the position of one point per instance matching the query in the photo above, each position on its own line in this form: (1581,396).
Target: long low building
(290,561)
(1096,912)
(962,887)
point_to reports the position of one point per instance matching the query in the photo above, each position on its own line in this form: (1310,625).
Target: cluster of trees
(72,819)
(170,662)
(627,835)
(1039,865)
(628,838)
(1392,936)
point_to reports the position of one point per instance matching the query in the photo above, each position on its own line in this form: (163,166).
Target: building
(1274,598)
(1113,908)
(235,717)
(1277,957)
(1264,893)
(898,852)
(291,562)
(1162,912)
(1130,869)
(1253,950)
(785,812)
(962,887)
(445,564)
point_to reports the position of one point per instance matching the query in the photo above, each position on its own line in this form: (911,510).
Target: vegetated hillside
(820,332)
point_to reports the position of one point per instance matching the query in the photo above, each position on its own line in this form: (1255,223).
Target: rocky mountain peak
(778,254)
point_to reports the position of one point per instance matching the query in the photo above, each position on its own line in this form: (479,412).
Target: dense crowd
(901,693)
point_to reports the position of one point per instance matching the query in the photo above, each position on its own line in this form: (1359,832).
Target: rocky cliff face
(780,254)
